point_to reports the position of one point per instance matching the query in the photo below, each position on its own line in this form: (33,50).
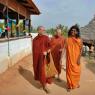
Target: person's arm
(63,51)
(47,46)
(81,45)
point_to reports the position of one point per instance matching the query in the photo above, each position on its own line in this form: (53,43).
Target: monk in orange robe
(73,54)
(41,46)
(57,44)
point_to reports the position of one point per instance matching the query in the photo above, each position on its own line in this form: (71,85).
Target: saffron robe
(73,68)
(57,43)
(40,44)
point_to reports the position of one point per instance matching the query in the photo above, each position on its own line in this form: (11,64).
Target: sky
(65,12)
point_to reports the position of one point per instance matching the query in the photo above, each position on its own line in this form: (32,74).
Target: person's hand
(60,50)
(45,53)
(49,51)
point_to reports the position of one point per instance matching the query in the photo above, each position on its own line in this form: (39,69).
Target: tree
(50,31)
(63,28)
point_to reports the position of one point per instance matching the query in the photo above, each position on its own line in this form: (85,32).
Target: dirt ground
(19,80)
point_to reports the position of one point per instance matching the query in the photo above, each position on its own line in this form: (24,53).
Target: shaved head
(58,32)
(41,29)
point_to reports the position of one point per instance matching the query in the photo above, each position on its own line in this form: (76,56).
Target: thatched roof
(88,31)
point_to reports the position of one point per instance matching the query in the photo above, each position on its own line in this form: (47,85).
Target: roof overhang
(29,4)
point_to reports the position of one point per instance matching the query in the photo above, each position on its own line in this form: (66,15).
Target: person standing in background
(57,44)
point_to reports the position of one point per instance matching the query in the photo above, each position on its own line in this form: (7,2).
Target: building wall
(12,52)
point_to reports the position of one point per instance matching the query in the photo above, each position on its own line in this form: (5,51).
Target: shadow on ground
(61,83)
(28,75)
(91,65)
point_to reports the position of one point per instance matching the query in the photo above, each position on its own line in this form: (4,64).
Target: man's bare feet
(46,90)
(68,89)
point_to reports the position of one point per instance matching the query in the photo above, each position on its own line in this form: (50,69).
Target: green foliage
(51,31)
(2,26)
(34,30)
(62,27)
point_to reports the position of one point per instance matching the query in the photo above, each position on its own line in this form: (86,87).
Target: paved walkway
(17,81)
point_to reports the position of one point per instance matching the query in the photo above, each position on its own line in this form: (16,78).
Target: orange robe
(73,49)
(57,43)
(40,45)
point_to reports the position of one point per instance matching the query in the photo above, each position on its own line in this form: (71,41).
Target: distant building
(88,31)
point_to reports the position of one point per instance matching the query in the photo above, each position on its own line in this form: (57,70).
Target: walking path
(18,80)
